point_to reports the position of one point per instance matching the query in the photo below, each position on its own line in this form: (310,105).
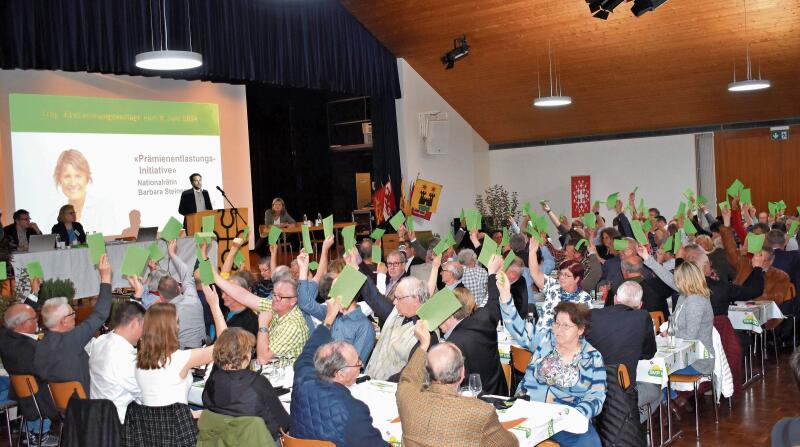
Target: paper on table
(508,425)
(439,308)
(745,196)
(3,271)
(735,188)
(349,237)
(171,229)
(307,239)
(397,220)
(327,226)
(134,261)
(377,233)
(611,201)
(347,285)
(97,246)
(638,232)
(238,259)
(443,245)
(206,274)
(209,222)
(376,253)
(755,242)
(274,233)
(620,245)
(154,251)
(473,219)
(410,223)
(488,249)
(508,260)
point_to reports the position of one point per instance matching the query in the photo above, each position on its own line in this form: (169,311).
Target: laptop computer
(147,234)
(44,242)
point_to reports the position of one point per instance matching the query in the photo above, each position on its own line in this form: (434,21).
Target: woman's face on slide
(73,183)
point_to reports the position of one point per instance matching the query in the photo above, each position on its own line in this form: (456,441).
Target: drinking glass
(475,384)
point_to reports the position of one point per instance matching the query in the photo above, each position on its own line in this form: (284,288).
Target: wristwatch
(263,329)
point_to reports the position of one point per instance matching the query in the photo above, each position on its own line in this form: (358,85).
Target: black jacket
(723,293)
(187,205)
(519,293)
(476,336)
(247,320)
(654,294)
(789,262)
(16,352)
(622,335)
(10,233)
(61,230)
(245,393)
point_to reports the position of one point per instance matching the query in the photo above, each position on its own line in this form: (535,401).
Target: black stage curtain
(314,44)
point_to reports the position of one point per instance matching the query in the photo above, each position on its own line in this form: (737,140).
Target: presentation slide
(122,163)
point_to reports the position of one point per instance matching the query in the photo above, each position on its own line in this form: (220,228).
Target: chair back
(288,441)
(658,319)
(520,357)
(25,385)
(624,378)
(62,391)
(507,373)
(167,426)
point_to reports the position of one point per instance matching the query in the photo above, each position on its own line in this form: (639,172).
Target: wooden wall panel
(769,168)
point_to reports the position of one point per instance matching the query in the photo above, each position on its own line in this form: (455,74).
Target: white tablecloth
(668,360)
(74,263)
(750,315)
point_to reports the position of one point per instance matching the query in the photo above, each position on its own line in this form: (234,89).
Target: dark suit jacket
(789,262)
(622,335)
(476,336)
(61,230)
(16,352)
(246,319)
(187,205)
(519,293)
(654,294)
(10,233)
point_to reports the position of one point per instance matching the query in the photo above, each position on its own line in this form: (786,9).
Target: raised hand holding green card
(274,233)
(209,222)
(488,249)
(689,227)
(508,260)
(3,271)
(307,240)
(473,219)
(347,285)
(735,188)
(349,237)
(34,270)
(793,229)
(638,232)
(443,245)
(97,246)
(134,261)
(506,238)
(410,223)
(590,220)
(377,234)
(745,196)
(206,274)
(171,230)
(611,201)
(376,254)
(397,220)
(155,252)
(439,308)
(327,226)
(620,244)
(755,242)
(238,259)
(246,233)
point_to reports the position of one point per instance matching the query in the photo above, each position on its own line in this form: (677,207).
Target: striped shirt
(287,334)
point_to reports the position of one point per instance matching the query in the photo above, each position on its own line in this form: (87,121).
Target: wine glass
(475,385)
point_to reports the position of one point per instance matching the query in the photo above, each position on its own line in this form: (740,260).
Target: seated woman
(566,288)
(70,231)
(234,390)
(162,369)
(277,215)
(564,368)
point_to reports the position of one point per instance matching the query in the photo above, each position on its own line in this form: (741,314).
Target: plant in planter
(496,205)
(53,288)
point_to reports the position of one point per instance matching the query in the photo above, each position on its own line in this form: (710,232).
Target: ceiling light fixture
(556,98)
(750,84)
(460,50)
(164,58)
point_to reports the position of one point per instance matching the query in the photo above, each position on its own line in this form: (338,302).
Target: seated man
(431,410)
(287,329)
(397,316)
(623,333)
(18,344)
(394,271)
(475,276)
(322,406)
(60,355)
(192,327)
(20,232)
(112,360)
(351,326)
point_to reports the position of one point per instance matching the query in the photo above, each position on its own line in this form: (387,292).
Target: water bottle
(529,325)
(58,241)
(319,219)
(305,219)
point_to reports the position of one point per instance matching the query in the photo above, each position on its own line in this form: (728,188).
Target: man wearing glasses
(390,276)
(20,232)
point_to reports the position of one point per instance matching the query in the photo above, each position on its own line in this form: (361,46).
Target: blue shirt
(353,327)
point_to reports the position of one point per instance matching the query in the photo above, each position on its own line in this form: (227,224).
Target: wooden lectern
(228,226)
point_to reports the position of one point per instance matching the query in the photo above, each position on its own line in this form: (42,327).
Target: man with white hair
(624,334)
(60,355)
(475,276)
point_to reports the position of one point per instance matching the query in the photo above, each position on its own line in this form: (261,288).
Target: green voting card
(377,233)
(681,210)
(274,233)
(327,226)
(134,261)
(647,226)
(462,216)
(581,243)
(155,252)
(488,249)
(667,247)
(246,233)
(206,274)
(443,245)
(735,188)
(638,232)
(589,220)
(793,228)
(689,227)
(508,260)
(526,209)
(347,285)
(506,238)
(473,219)
(35,270)
(97,246)
(171,230)
(540,223)
(3,271)
(745,196)
(410,223)
(209,222)
(397,220)
(724,205)
(307,239)
(238,259)
(773,209)
(620,244)
(781,205)
(689,194)
(376,254)
(313,266)
(439,308)
(701,199)
(349,237)
(676,243)
(611,201)
(537,237)
(755,242)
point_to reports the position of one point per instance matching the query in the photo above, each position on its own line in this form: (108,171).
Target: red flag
(581,195)
(377,205)
(388,200)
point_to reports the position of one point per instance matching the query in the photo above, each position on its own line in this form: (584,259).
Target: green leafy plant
(496,205)
(53,288)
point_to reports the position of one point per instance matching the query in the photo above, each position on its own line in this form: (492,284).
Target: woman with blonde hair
(72,175)
(68,228)
(277,214)
(693,317)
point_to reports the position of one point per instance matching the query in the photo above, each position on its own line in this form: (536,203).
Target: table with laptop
(73,263)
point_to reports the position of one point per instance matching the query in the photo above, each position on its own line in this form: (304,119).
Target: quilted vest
(392,349)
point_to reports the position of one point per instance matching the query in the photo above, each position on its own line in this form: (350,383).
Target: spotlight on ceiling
(460,50)
(642,6)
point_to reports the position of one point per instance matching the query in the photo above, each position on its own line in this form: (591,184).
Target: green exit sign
(780,135)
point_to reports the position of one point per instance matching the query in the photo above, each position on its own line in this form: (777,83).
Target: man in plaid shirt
(475,276)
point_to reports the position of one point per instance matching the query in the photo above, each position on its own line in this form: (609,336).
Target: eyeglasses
(358,365)
(398,298)
(276,297)
(394,264)
(69,315)
(563,326)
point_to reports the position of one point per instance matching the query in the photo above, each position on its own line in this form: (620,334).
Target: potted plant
(53,288)
(496,206)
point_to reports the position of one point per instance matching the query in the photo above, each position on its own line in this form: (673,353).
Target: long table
(74,263)
(669,359)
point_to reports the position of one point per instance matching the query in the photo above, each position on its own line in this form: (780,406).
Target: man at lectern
(194,199)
